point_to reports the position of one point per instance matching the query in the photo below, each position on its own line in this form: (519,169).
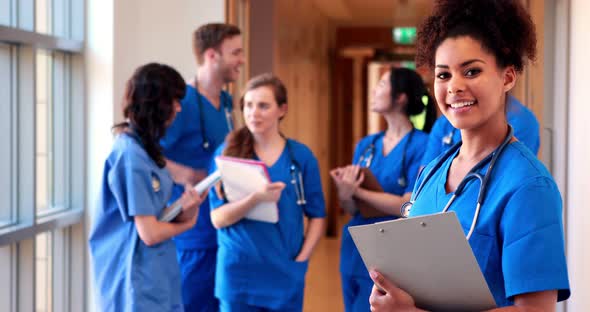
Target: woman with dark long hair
(134,260)
(393,157)
(261,266)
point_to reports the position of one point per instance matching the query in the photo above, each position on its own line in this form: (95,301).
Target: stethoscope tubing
(296,177)
(472,174)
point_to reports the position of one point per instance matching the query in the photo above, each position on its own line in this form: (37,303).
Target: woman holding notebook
(392,158)
(133,256)
(261,266)
(505,199)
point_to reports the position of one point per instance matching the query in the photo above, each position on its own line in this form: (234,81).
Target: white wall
(578,210)
(158,31)
(99,109)
(120,36)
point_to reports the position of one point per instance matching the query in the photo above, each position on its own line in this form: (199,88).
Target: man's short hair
(211,36)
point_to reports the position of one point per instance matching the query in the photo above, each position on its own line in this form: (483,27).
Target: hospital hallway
(64,65)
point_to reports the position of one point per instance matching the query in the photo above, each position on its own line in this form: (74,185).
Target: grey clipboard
(430,258)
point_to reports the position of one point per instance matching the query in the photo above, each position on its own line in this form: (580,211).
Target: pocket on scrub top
(482,246)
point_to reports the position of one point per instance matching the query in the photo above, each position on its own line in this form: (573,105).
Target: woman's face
(261,111)
(381,94)
(469,86)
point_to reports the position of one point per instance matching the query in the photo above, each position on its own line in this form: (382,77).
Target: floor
(322,289)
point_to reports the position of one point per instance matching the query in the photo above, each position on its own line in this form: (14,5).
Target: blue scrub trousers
(356,292)
(228,306)
(197,269)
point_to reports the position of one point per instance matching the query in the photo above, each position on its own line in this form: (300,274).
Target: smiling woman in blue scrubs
(524,122)
(476,49)
(393,156)
(261,266)
(133,259)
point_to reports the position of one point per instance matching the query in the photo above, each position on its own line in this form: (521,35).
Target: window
(42,243)
(5,12)
(7,116)
(43,272)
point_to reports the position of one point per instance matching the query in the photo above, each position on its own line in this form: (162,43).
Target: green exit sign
(404,35)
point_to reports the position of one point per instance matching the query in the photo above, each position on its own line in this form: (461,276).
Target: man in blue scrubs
(526,129)
(189,144)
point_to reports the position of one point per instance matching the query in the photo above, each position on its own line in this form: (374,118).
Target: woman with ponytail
(134,260)
(261,266)
(393,157)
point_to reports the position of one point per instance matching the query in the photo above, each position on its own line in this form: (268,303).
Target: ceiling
(375,12)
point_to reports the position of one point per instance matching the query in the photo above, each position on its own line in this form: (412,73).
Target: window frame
(65,223)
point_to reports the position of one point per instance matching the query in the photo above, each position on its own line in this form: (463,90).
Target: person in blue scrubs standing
(524,122)
(393,156)
(133,259)
(189,144)
(261,266)
(476,49)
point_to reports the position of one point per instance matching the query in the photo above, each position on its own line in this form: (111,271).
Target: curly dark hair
(504,28)
(149,105)
(211,36)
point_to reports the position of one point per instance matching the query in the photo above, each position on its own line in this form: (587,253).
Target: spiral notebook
(241,177)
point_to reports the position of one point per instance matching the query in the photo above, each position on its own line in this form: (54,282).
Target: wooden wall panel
(303,49)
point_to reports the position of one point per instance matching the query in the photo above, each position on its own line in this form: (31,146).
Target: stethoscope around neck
(296,176)
(471,175)
(369,153)
(226,104)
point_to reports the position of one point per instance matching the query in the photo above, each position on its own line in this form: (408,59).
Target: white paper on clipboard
(241,177)
(428,257)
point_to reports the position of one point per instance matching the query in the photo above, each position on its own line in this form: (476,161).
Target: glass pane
(60,136)
(44,272)
(6,129)
(6,266)
(60,18)
(26,14)
(44,130)
(43,14)
(5,12)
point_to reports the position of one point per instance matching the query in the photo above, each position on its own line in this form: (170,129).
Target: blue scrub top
(183,143)
(130,276)
(518,240)
(255,260)
(387,170)
(522,119)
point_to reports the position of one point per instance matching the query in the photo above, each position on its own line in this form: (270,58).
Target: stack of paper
(240,178)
